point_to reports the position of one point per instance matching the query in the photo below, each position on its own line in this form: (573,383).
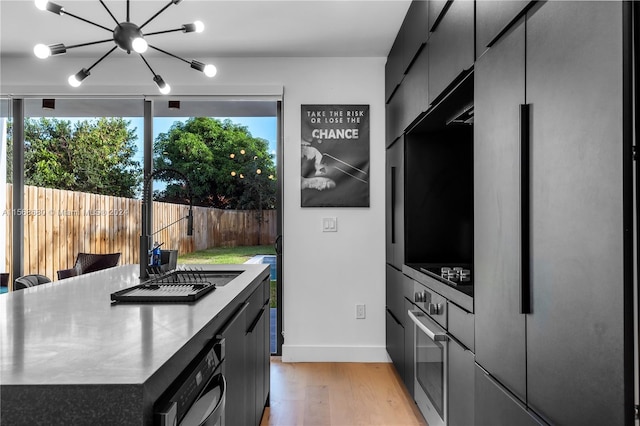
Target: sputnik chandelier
(127,36)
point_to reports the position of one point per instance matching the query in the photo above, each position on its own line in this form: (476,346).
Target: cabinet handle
(393,317)
(255,322)
(525,224)
(229,323)
(393,204)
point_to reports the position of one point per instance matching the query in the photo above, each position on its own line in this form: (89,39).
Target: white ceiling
(240,28)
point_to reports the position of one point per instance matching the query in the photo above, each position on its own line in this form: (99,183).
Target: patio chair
(30,280)
(67,273)
(91,262)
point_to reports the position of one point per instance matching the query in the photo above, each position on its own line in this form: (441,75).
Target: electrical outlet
(360,311)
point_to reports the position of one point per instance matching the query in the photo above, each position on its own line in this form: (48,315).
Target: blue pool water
(269,259)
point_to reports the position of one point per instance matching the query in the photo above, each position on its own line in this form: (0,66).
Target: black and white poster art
(335,156)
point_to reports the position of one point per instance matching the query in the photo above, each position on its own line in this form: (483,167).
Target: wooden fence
(60,224)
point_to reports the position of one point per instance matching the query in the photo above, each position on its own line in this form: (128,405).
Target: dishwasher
(197,397)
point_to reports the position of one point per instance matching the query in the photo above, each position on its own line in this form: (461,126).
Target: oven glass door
(430,368)
(430,359)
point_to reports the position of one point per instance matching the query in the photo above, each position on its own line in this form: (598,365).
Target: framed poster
(335,156)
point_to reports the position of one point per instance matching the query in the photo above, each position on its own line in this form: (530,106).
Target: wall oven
(430,355)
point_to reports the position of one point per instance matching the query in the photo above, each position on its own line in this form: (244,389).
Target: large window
(82,172)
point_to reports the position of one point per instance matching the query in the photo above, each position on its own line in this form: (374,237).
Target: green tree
(208,152)
(93,156)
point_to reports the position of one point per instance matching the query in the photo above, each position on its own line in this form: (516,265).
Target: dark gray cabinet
(409,334)
(499,89)
(461,385)
(415,89)
(436,10)
(415,29)
(395,331)
(394,204)
(256,350)
(495,405)
(247,360)
(235,367)
(577,215)
(394,72)
(493,17)
(563,356)
(451,47)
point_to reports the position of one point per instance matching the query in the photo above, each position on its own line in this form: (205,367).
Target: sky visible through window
(259,127)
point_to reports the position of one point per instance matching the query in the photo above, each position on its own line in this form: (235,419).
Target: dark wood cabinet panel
(460,386)
(493,17)
(495,406)
(415,90)
(395,342)
(415,29)
(394,204)
(236,368)
(394,113)
(575,87)
(435,9)
(394,68)
(451,47)
(499,89)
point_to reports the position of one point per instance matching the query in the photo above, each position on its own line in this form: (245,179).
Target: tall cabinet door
(499,325)
(395,203)
(575,335)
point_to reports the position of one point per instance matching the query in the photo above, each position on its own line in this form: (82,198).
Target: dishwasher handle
(423,323)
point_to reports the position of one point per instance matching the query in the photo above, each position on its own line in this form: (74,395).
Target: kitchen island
(69,355)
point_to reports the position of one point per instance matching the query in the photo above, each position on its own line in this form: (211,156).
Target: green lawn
(229,255)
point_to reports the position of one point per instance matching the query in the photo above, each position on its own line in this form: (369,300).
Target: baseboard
(296,353)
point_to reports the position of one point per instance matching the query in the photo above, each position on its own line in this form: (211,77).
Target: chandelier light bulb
(232,155)
(76,79)
(41,4)
(233,174)
(258,171)
(242,151)
(210,70)
(73,81)
(42,51)
(199,26)
(139,45)
(165,90)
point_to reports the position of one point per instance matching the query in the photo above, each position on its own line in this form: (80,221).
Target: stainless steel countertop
(69,332)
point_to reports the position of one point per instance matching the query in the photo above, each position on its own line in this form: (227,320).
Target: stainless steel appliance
(197,398)
(430,354)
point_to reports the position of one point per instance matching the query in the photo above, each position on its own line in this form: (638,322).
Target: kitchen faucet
(146,235)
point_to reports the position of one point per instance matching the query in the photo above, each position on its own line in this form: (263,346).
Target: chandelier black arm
(103,56)
(159,12)
(169,54)
(109,12)
(128,9)
(88,21)
(148,66)
(164,32)
(89,43)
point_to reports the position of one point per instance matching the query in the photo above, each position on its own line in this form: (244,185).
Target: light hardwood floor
(338,394)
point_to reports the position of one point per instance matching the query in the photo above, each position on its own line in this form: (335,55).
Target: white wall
(325,274)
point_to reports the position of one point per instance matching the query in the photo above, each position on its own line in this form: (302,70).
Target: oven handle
(420,323)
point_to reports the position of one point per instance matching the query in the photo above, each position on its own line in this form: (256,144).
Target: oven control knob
(434,308)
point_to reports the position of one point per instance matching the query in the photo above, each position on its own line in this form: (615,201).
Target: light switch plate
(329,224)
